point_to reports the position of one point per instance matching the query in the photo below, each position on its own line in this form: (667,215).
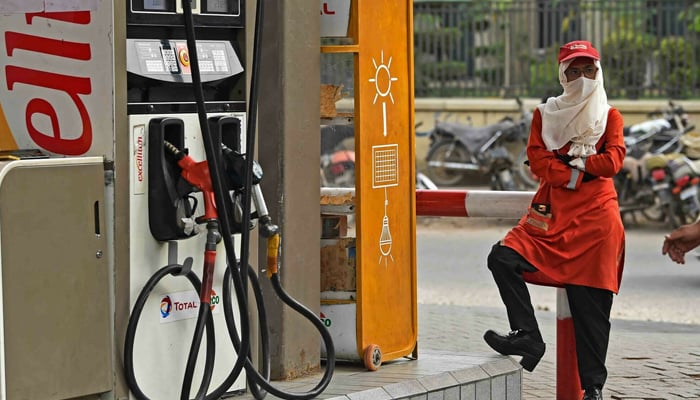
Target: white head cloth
(579,115)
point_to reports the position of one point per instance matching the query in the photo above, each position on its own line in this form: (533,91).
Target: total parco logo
(177,306)
(166,307)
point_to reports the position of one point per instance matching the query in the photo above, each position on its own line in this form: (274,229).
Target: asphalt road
(451,264)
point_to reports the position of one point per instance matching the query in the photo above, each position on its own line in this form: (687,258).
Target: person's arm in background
(681,241)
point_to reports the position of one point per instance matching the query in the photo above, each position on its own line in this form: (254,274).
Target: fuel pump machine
(107,189)
(164,228)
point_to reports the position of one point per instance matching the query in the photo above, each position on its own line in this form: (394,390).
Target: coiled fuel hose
(233,274)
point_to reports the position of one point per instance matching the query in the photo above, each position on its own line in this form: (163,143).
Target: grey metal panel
(57,337)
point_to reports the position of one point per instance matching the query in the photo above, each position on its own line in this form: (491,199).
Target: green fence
(508,48)
(491,48)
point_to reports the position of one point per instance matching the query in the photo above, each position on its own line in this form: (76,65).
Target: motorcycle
(686,178)
(662,133)
(457,149)
(656,180)
(646,186)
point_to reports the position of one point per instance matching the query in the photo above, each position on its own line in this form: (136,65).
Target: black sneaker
(517,343)
(593,393)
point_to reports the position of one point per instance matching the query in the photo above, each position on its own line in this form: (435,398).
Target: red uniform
(573,231)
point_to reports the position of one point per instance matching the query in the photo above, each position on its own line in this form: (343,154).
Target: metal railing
(506,48)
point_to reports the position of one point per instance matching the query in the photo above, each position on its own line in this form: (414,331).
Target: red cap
(577,48)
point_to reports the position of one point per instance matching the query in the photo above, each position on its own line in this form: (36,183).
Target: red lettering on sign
(62,48)
(326,11)
(139,159)
(74,17)
(72,86)
(188,305)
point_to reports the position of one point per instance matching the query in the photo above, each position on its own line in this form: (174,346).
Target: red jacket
(573,231)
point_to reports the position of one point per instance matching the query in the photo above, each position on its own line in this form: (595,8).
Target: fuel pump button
(184,57)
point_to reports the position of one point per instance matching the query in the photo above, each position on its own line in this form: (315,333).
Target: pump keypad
(170,60)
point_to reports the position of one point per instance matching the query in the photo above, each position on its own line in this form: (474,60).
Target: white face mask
(579,89)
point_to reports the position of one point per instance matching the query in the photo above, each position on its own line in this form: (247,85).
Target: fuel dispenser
(162,111)
(189,168)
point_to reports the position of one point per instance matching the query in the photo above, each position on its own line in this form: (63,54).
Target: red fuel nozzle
(197,175)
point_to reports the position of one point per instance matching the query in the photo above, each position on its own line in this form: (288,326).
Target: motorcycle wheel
(674,213)
(655,213)
(446,151)
(503,180)
(686,212)
(528,180)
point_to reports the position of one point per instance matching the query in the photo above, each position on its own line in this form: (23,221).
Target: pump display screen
(153,5)
(222,6)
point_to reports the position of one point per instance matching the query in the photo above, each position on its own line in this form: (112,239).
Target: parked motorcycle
(662,133)
(457,149)
(645,186)
(656,180)
(686,178)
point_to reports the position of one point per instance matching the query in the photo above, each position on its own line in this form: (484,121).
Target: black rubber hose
(213,155)
(203,317)
(250,151)
(262,321)
(327,339)
(245,339)
(171,269)
(251,126)
(264,380)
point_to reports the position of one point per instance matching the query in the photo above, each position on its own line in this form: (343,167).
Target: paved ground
(646,360)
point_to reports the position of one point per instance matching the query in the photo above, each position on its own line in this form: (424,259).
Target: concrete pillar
(289,152)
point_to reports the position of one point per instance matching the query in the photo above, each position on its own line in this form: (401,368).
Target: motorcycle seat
(473,138)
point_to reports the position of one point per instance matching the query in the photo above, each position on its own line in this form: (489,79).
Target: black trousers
(590,311)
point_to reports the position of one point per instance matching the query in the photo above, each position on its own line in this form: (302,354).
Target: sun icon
(382,82)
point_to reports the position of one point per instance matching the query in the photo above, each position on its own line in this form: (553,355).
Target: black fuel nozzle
(235,166)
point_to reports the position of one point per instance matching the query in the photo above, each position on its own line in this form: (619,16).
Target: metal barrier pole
(472,203)
(568,383)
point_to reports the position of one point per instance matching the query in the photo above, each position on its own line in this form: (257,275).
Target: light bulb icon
(385,238)
(385,241)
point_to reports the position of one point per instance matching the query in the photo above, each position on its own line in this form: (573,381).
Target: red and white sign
(57,81)
(335,16)
(34,6)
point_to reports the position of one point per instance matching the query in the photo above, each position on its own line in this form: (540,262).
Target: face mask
(580,88)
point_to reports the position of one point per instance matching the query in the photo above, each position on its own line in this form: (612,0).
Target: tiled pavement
(646,361)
